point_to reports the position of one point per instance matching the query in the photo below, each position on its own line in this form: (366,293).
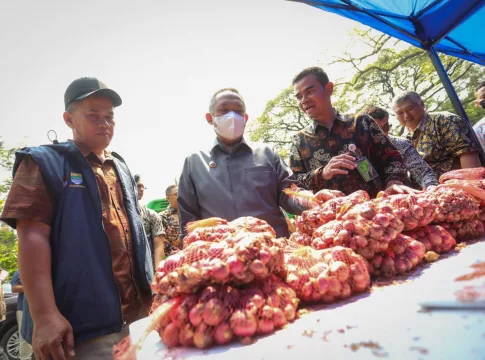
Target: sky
(164,58)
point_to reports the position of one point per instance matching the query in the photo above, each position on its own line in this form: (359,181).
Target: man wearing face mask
(479,127)
(230,178)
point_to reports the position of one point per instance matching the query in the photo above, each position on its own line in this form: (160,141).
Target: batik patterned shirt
(170,220)
(441,138)
(420,172)
(152,222)
(479,128)
(314,147)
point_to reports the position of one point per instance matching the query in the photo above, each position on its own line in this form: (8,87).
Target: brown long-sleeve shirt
(29,199)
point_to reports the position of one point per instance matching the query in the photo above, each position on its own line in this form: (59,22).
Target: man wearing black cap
(83,255)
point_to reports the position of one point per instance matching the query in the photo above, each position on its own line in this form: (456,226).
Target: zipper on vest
(123,322)
(137,291)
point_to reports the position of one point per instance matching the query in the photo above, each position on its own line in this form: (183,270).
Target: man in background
(420,172)
(153,225)
(170,219)
(25,350)
(443,139)
(479,127)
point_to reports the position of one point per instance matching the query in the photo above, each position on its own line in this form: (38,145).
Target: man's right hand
(336,165)
(52,338)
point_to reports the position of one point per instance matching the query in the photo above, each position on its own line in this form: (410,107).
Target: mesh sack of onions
(301,238)
(325,275)
(239,259)
(404,254)
(217,315)
(465,230)
(220,313)
(434,238)
(216,229)
(413,210)
(481,213)
(330,210)
(453,204)
(363,230)
(469,174)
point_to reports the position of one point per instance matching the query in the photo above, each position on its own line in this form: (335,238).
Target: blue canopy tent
(453,27)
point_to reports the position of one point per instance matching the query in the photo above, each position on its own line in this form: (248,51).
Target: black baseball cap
(83,87)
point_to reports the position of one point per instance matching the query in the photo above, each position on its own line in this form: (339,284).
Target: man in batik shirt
(335,150)
(443,139)
(153,226)
(479,127)
(421,174)
(170,219)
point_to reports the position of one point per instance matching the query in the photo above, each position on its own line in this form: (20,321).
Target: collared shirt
(20,299)
(479,128)
(152,223)
(170,220)
(421,173)
(29,199)
(441,138)
(313,147)
(247,181)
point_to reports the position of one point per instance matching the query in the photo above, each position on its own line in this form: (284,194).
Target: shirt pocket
(259,176)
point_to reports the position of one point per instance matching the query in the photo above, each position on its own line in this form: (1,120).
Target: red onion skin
(196,314)
(214,312)
(186,336)
(170,335)
(265,326)
(203,337)
(279,318)
(223,333)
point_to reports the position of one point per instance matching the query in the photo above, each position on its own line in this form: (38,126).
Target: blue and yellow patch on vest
(76,178)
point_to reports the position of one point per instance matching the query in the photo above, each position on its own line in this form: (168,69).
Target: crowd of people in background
(88,248)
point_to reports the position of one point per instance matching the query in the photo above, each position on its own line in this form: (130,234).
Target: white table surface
(390,317)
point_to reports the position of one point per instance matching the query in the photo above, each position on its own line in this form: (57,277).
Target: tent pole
(453,96)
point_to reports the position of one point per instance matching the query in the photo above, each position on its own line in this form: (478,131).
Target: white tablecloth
(387,322)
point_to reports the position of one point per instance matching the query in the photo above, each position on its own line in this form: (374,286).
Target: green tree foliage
(280,119)
(8,249)
(6,162)
(377,68)
(389,67)
(8,237)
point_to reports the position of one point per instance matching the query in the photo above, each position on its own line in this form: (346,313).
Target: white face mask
(230,126)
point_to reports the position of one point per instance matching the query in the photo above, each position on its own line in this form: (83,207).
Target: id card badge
(366,169)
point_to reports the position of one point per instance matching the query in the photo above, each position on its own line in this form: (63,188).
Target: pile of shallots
(371,227)
(236,259)
(362,229)
(225,276)
(461,203)
(220,313)
(325,275)
(434,238)
(403,254)
(236,279)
